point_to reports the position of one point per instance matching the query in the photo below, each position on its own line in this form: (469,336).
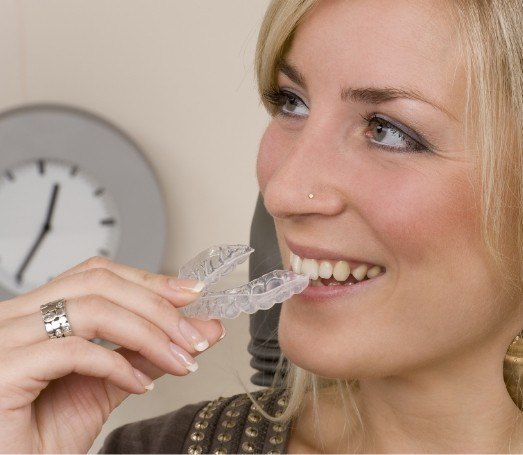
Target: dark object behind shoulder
(225,425)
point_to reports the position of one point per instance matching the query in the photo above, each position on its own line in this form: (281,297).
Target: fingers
(169,287)
(132,297)
(141,363)
(160,284)
(110,322)
(32,367)
(120,304)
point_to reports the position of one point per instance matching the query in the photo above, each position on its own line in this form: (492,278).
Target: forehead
(400,43)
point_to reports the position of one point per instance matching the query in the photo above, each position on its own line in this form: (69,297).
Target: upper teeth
(340,270)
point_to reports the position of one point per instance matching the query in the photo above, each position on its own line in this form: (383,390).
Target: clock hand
(45,229)
(50,210)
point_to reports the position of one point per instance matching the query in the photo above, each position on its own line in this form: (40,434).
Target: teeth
(310,267)
(325,270)
(360,272)
(374,271)
(296,263)
(341,271)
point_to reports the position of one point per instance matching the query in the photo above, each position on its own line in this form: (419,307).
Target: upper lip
(319,253)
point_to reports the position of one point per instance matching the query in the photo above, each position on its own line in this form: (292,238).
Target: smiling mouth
(324,272)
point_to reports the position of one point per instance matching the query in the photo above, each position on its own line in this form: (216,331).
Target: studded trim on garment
(233,425)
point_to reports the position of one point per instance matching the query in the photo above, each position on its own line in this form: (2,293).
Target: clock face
(54,216)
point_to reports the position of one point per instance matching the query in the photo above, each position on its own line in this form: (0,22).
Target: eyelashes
(412,145)
(287,104)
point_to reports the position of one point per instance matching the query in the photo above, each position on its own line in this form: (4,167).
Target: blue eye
(385,135)
(287,103)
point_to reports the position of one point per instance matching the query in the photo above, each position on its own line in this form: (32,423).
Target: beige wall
(177,77)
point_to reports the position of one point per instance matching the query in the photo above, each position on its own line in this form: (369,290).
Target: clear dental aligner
(259,294)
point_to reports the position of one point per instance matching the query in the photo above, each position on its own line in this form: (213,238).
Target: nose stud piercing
(311,195)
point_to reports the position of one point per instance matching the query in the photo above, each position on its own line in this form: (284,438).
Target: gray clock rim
(47,130)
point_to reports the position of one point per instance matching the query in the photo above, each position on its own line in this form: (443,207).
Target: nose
(303,177)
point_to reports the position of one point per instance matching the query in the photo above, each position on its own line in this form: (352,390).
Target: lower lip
(324,293)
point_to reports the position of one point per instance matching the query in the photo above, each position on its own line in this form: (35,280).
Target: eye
(287,103)
(385,135)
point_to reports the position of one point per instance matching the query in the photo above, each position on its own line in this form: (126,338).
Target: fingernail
(186,285)
(193,336)
(182,356)
(224,332)
(145,380)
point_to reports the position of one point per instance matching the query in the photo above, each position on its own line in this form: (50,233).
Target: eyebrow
(367,95)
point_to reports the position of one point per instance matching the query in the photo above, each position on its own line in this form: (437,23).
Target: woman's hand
(56,394)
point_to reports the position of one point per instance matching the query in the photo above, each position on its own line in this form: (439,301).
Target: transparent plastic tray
(259,294)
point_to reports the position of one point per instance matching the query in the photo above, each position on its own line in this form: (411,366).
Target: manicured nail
(183,357)
(186,285)
(193,336)
(224,332)
(145,380)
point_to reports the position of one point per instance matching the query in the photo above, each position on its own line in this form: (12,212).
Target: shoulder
(224,425)
(162,434)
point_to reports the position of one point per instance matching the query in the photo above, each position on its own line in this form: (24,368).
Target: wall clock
(72,186)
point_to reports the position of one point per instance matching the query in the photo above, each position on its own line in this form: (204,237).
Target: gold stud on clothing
(224,437)
(229,423)
(278,428)
(282,402)
(201,425)
(236,425)
(205,414)
(254,418)
(197,436)
(276,439)
(251,432)
(248,447)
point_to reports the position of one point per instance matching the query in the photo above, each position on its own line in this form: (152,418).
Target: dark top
(225,425)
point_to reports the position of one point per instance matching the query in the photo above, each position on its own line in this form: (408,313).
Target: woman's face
(371,124)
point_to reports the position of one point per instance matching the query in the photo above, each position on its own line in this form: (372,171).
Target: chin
(329,351)
(316,355)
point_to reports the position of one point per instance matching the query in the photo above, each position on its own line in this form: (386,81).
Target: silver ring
(55,319)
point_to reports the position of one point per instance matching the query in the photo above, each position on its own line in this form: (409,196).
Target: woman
(369,160)
(373,164)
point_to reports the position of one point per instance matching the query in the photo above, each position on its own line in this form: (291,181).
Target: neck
(461,406)
(438,414)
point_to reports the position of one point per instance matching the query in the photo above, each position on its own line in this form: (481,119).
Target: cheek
(425,216)
(441,272)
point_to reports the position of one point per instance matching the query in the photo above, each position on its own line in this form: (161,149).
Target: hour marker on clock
(103,252)
(74,170)
(9,175)
(41,167)
(99,191)
(108,222)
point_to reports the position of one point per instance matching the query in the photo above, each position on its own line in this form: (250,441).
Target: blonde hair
(492,51)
